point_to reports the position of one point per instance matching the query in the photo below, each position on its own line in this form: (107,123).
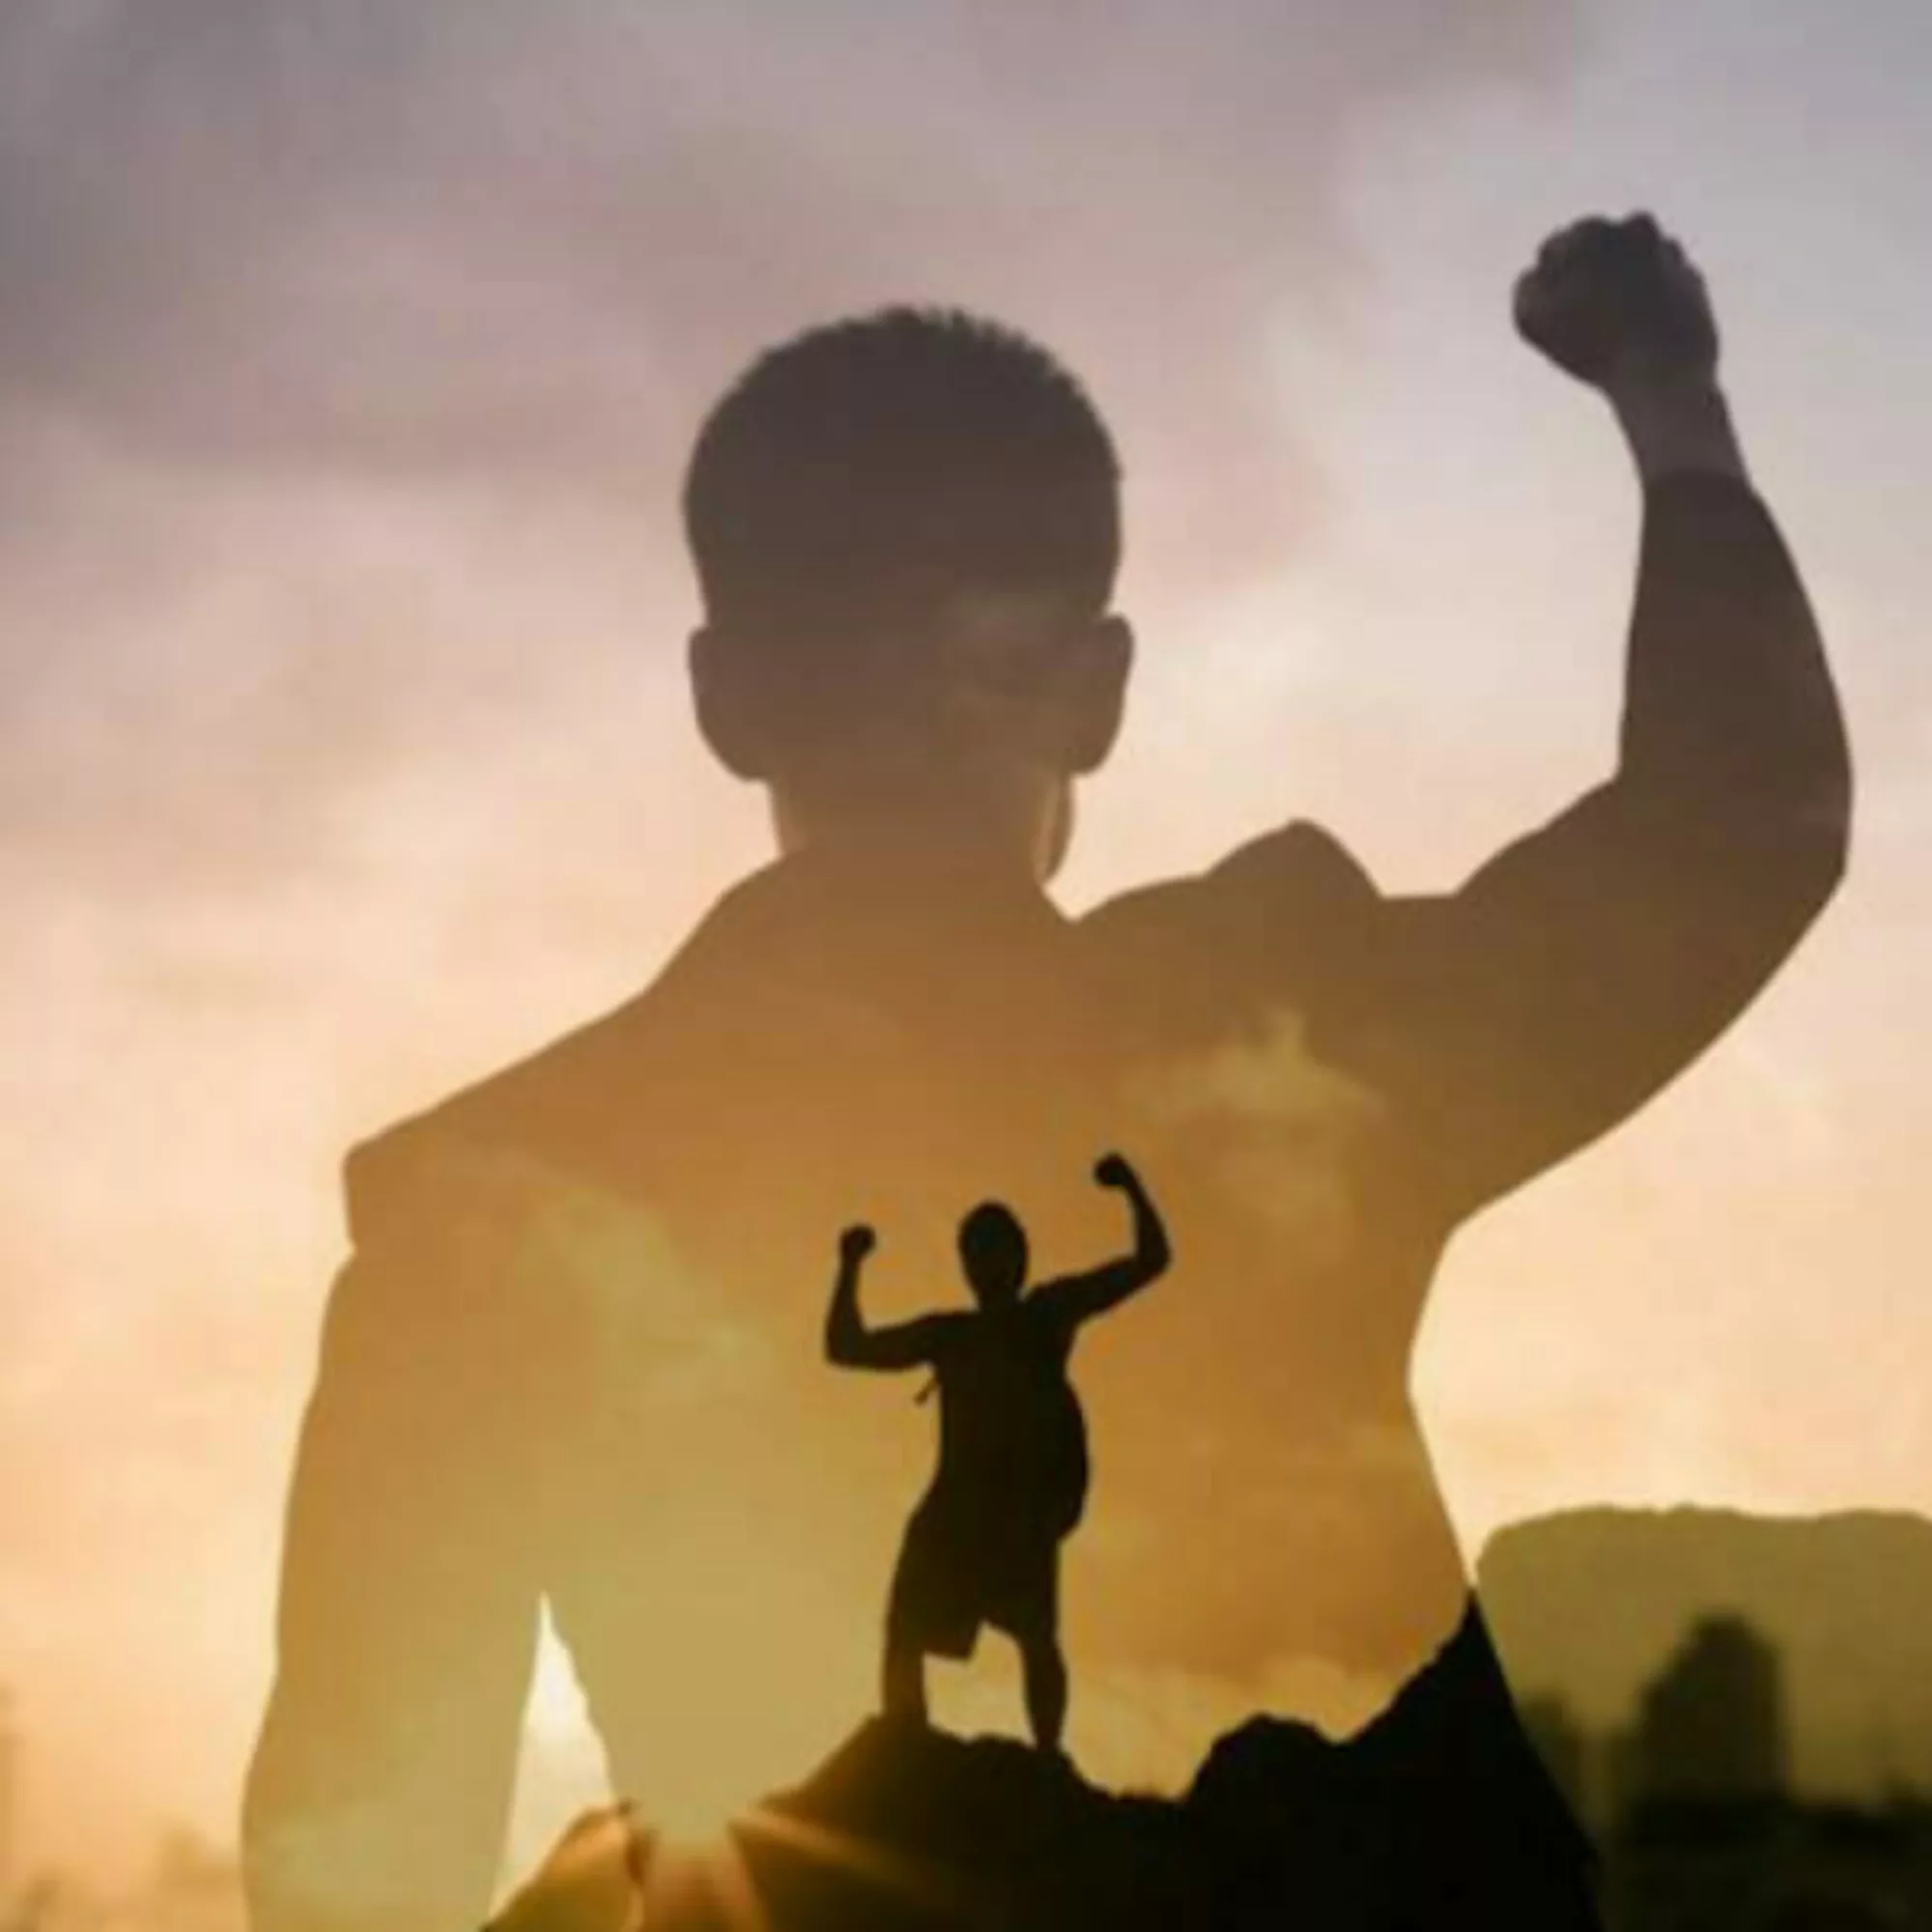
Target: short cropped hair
(859,467)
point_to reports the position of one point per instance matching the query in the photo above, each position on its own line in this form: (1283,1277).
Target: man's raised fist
(857,1242)
(1111,1170)
(1618,303)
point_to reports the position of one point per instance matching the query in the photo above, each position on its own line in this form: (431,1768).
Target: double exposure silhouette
(983,1547)
(569,1361)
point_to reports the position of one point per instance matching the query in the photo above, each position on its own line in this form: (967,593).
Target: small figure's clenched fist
(857,1242)
(1618,303)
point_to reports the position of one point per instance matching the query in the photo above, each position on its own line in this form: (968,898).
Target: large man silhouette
(569,1360)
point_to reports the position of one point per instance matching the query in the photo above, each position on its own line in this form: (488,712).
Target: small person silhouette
(983,1544)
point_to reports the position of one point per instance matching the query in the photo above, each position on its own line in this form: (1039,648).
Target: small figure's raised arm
(1082,1297)
(848,1342)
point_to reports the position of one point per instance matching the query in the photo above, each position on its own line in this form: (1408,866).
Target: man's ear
(732,701)
(1094,695)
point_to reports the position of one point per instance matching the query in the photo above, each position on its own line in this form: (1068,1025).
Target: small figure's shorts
(963,1566)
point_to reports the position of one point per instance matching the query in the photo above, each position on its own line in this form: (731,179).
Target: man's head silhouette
(906,528)
(993,1250)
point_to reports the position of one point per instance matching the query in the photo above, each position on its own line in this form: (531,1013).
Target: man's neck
(928,885)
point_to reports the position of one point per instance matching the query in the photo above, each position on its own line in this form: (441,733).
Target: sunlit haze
(346,375)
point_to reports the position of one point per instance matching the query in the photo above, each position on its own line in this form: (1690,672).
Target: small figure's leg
(1045,1668)
(903,1688)
(905,1679)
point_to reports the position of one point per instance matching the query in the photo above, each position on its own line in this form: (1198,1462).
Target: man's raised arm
(379,1790)
(1082,1297)
(848,1342)
(1574,974)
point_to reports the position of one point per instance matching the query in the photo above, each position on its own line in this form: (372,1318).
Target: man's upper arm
(1517,1020)
(1582,967)
(905,1345)
(381,1784)
(1079,1297)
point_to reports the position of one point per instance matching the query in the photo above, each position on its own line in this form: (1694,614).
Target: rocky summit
(908,1829)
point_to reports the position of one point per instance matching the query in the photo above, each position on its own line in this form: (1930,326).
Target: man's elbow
(1817,849)
(1778,888)
(1763,855)
(1816,821)
(1824,871)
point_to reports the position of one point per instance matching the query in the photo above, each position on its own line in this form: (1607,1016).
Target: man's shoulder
(1290,909)
(945,1329)
(589,1103)
(1300,866)
(535,1113)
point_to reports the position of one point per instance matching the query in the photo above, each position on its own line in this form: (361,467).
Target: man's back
(575,1353)
(587,1297)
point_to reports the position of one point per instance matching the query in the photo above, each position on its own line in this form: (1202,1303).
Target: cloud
(479,236)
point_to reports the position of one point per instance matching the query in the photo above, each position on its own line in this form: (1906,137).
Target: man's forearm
(845,1326)
(1678,427)
(1150,1248)
(1731,715)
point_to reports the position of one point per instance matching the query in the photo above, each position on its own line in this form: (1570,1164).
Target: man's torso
(669,1187)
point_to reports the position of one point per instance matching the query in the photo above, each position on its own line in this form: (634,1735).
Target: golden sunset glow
(349,756)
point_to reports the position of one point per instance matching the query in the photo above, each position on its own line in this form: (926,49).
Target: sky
(349,354)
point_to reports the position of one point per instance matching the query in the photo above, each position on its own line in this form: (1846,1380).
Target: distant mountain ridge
(1588,1605)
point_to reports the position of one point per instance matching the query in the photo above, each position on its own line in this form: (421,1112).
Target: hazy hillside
(1589,1604)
